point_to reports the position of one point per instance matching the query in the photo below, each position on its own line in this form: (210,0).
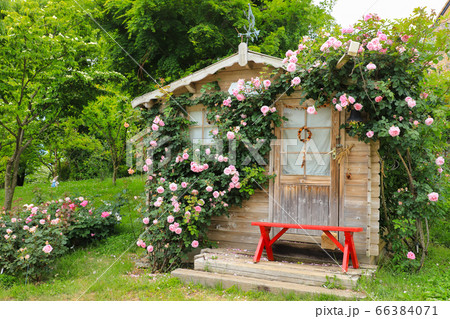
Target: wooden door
(306,185)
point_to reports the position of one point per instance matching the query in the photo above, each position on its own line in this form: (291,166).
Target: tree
(106,118)
(170,39)
(46,51)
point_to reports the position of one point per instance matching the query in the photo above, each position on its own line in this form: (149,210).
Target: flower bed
(32,239)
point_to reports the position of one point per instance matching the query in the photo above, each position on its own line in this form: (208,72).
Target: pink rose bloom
(289,53)
(347,30)
(265,109)
(207,151)
(173,187)
(411,255)
(291,67)
(172,227)
(351,99)
(148,161)
(216,194)
(155,221)
(84,203)
(230,135)
(368,17)
(170,219)
(26,227)
(423,95)
(184,184)
(338,107)
(405,38)
(198,209)
(371,66)
(240,97)
(227,171)
(343,98)
(293,59)
(146,220)
(209,189)
(42,221)
(47,249)
(194,244)
(433,197)
(311,110)
(378,99)
(369,134)
(178,231)
(9,231)
(416,122)
(411,102)
(440,161)
(185,156)
(358,106)
(149,248)
(13,220)
(155,127)
(160,190)
(267,83)
(429,121)
(394,131)
(273,109)
(105,214)
(295,81)
(227,102)
(72,206)
(440,170)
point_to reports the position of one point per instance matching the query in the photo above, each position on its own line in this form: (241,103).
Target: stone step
(312,275)
(246,283)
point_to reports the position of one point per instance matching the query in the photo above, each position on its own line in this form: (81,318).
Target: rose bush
(33,238)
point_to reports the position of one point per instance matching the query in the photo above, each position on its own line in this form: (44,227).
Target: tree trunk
(115,169)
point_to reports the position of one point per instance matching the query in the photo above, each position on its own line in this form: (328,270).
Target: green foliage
(172,39)
(54,225)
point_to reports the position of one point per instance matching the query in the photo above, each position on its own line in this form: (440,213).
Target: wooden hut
(329,193)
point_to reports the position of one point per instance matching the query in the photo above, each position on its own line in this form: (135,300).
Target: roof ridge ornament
(251,31)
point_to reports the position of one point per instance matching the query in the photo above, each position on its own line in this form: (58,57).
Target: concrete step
(312,275)
(257,284)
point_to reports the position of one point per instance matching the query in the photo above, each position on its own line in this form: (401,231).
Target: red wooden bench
(348,248)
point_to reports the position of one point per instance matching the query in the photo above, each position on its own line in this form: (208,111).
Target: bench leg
(352,250)
(264,242)
(345,258)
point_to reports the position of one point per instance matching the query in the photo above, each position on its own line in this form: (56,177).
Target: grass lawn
(106,270)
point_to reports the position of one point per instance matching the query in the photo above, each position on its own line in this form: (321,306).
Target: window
(311,157)
(200,131)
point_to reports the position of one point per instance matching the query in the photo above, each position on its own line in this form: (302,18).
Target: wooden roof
(242,58)
(445,9)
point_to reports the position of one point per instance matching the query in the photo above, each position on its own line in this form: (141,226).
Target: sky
(347,12)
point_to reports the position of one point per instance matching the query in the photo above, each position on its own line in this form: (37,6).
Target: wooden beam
(190,87)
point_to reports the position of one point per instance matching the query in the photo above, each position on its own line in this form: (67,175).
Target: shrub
(32,239)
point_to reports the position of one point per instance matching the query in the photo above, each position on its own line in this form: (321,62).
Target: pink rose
(433,197)
(155,127)
(358,106)
(149,248)
(178,231)
(42,221)
(411,255)
(423,95)
(209,189)
(416,122)
(369,134)
(265,109)
(185,156)
(155,221)
(84,203)
(194,244)
(267,83)
(394,131)
(146,220)
(160,190)
(172,227)
(198,209)
(153,143)
(230,135)
(173,187)
(227,102)
(338,107)
(295,81)
(148,161)
(291,67)
(293,59)
(440,170)
(216,194)
(170,219)
(105,214)
(72,206)
(368,17)
(371,66)
(311,110)
(240,97)
(207,151)
(440,161)
(47,249)
(378,99)
(351,99)
(429,121)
